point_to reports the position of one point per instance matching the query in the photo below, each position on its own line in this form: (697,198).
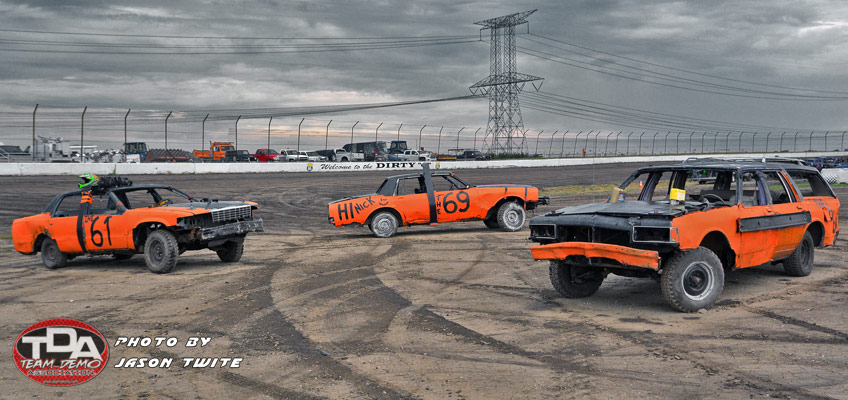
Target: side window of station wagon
(778,188)
(810,184)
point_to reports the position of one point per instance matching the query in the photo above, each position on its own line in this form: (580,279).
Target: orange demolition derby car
(110,216)
(429,197)
(687,224)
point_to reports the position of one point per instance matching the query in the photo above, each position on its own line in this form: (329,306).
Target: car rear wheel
(231,251)
(384,224)
(161,251)
(492,223)
(800,263)
(692,280)
(511,216)
(574,281)
(51,256)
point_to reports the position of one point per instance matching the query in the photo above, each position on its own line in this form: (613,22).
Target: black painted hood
(627,208)
(211,205)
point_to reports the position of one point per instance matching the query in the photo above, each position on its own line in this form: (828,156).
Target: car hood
(627,208)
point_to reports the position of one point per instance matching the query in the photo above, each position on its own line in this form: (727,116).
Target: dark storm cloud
(783,43)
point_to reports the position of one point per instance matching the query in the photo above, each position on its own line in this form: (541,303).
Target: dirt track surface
(448,311)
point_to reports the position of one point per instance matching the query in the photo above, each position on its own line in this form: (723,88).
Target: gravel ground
(448,311)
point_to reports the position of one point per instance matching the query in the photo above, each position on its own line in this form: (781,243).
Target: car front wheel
(161,251)
(231,251)
(511,216)
(51,256)
(574,281)
(692,279)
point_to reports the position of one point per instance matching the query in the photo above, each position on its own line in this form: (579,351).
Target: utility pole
(419,135)
(125,133)
(460,130)
(32,149)
(327,135)
(351,136)
(504,131)
(268,146)
(82,135)
(203,135)
(237,120)
(439,146)
(298,136)
(167,152)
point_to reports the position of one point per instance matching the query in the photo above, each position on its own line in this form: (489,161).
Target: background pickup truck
(340,155)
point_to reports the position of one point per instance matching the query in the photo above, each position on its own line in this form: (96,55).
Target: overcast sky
(779,43)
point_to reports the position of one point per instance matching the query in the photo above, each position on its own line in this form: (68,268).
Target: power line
(100,34)
(680,69)
(594,68)
(246,52)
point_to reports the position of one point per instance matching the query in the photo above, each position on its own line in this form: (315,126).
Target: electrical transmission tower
(505,130)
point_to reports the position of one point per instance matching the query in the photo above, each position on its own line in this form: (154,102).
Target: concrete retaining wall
(22,169)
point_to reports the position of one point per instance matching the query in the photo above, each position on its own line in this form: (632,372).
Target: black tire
(692,279)
(122,256)
(51,256)
(574,281)
(384,224)
(492,223)
(511,216)
(800,263)
(231,251)
(161,251)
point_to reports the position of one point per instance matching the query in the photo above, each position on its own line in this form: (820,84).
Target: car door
(411,200)
(789,219)
(63,224)
(757,239)
(453,202)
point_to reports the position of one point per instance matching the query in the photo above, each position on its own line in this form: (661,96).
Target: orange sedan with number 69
(434,197)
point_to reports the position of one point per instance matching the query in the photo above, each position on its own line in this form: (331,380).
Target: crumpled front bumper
(233,229)
(626,256)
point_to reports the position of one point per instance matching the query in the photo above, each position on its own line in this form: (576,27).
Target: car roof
(419,174)
(731,164)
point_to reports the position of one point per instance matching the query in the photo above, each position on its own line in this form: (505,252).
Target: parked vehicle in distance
(339,155)
(371,151)
(313,156)
(52,149)
(397,147)
(415,155)
(292,155)
(267,155)
(685,231)
(469,155)
(111,216)
(217,151)
(238,156)
(433,197)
